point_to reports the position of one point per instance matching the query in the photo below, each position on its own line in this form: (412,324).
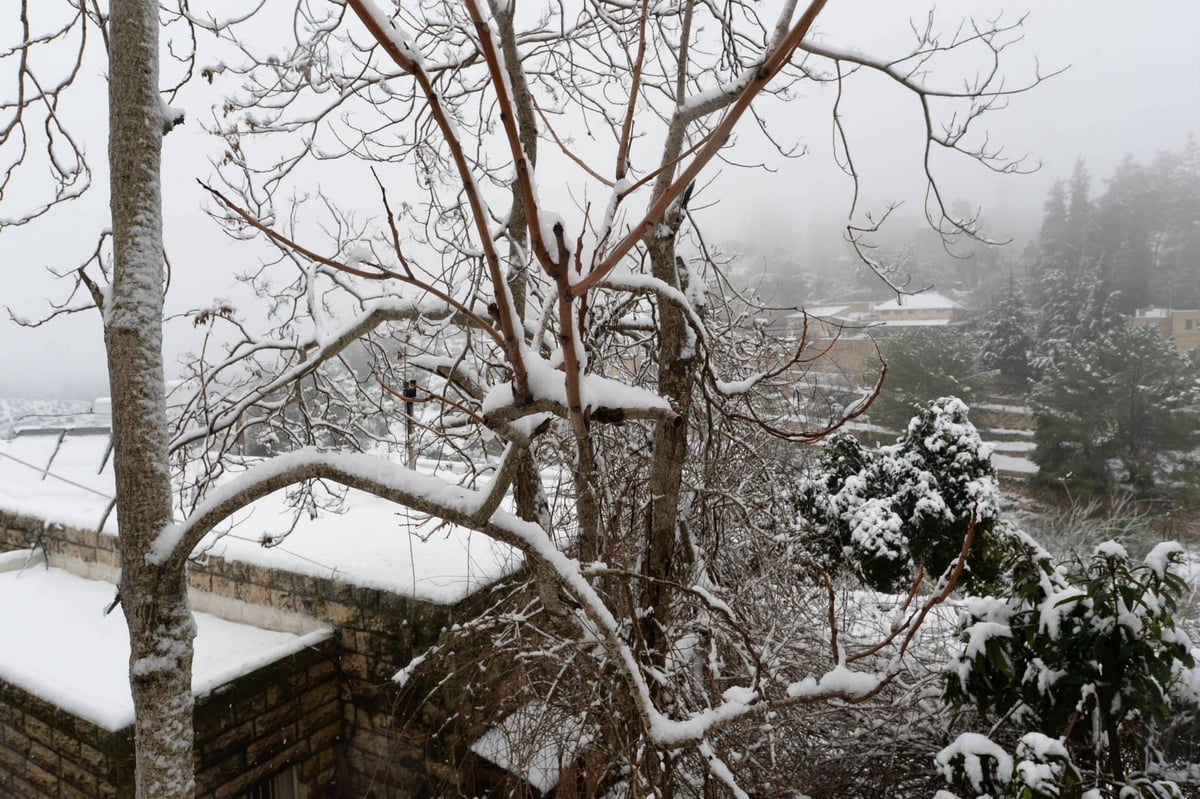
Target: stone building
(303,625)
(842,333)
(1180,326)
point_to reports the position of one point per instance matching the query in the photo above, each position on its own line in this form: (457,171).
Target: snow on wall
(60,646)
(374,544)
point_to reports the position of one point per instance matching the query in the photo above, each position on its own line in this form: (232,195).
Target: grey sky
(1133,88)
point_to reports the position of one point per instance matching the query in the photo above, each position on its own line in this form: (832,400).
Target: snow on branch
(608,400)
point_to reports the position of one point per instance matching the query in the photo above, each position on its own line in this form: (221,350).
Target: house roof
(63,648)
(822,310)
(925,301)
(914,323)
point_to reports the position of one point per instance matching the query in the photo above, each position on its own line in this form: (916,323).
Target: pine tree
(1079,218)
(1006,340)
(1115,410)
(882,515)
(922,366)
(1074,437)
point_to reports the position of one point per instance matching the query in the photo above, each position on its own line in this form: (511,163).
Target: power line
(55,476)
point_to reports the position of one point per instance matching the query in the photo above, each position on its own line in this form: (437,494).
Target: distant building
(842,332)
(927,309)
(1180,326)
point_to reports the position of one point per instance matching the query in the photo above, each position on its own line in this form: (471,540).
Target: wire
(49,473)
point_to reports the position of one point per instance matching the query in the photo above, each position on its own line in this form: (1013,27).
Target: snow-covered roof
(822,310)
(925,301)
(91,422)
(534,743)
(374,543)
(61,647)
(32,413)
(915,323)
(68,482)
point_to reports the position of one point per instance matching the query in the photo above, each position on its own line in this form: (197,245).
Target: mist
(1129,86)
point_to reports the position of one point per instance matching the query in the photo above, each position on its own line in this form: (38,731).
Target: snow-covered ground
(16,413)
(373,543)
(58,644)
(1013,464)
(1013,446)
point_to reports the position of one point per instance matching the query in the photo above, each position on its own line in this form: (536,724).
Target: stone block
(65,743)
(228,746)
(92,758)
(44,782)
(38,730)
(43,756)
(77,777)
(341,614)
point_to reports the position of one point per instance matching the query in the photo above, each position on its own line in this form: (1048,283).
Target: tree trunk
(676,373)
(154,601)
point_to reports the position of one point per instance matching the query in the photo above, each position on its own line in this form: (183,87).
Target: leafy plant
(1088,653)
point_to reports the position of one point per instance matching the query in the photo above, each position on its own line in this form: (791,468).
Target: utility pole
(410,394)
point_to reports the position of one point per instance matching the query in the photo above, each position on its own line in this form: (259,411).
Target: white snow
(840,680)
(1112,549)
(534,743)
(926,300)
(917,322)
(1012,446)
(1158,558)
(597,391)
(57,483)
(375,543)
(56,643)
(1012,463)
(975,750)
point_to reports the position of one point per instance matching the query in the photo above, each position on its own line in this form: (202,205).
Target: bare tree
(592,345)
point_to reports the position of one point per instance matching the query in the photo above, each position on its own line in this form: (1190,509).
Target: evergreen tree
(1054,239)
(1176,280)
(1115,410)
(1125,233)
(1079,217)
(1073,438)
(1147,231)
(881,515)
(922,366)
(1073,292)
(1006,340)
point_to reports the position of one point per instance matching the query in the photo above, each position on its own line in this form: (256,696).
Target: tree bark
(676,374)
(154,600)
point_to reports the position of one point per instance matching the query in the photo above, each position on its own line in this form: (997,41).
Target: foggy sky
(1132,88)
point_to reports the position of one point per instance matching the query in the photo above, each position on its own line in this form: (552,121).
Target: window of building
(284,785)
(1187,324)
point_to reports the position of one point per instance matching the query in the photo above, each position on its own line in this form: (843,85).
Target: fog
(1130,88)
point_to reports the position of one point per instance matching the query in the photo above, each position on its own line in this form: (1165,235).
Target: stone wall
(287,714)
(391,743)
(48,753)
(387,750)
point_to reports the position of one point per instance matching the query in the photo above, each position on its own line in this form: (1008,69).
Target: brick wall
(286,714)
(392,744)
(48,753)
